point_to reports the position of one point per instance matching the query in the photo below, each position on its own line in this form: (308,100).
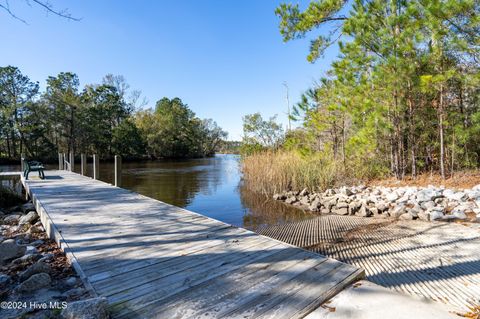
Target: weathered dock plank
(154,260)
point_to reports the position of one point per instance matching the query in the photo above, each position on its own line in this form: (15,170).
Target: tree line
(105,119)
(403,95)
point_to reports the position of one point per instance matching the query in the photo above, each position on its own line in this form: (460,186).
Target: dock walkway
(154,260)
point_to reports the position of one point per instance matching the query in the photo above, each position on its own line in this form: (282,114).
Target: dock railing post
(72,160)
(83,164)
(60,161)
(96,167)
(118,170)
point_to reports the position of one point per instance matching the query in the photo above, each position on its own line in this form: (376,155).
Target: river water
(209,186)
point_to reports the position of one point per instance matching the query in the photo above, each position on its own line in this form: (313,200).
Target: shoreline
(406,203)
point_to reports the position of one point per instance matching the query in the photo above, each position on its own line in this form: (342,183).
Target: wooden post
(22,164)
(118,170)
(83,164)
(96,167)
(72,160)
(60,161)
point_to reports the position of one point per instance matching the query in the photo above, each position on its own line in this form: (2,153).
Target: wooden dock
(154,260)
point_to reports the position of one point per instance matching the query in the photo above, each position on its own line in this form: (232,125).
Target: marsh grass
(271,172)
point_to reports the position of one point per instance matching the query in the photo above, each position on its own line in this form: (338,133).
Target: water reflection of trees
(12,183)
(261,211)
(176,183)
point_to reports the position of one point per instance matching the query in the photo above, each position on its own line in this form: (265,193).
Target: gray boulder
(35,229)
(382,206)
(374,211)
(424,216)
(438,209)
(35,282)
(10,250)
(31,250)
(30,218)
(342,205)
(305,200)
(95,308)
(346,191)
(402,200)
(472,194)
(291,200)
(27,259)
(315,205)
(392,197)
(28,207)
(364,211)
(39,267)
(436,214)
(340,211)
(330,192)
(459,214)
(354,206)
(304,192)
(427,205)
(406,216)
(279,197)
(459,196)
(427,194)
(412,212)
(466,207)
(398,210)
(11,219)
(325,210)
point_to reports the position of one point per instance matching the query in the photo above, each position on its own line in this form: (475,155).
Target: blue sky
(224,59)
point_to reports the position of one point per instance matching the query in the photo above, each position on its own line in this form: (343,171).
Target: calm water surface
(209,186)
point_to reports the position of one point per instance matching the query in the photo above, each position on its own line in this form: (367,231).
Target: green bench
(33,166)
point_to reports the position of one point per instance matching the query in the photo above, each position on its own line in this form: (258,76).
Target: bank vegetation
(402,98)
(106,119)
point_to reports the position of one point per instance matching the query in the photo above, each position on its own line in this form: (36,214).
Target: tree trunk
(411,131)
(453,153)
(440,126)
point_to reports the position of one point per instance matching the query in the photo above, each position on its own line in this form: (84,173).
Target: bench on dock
(33,166)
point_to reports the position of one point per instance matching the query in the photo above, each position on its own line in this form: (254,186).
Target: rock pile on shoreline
(407,203)
(34,273)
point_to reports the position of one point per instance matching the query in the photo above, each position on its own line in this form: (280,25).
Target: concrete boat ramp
(154,260)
